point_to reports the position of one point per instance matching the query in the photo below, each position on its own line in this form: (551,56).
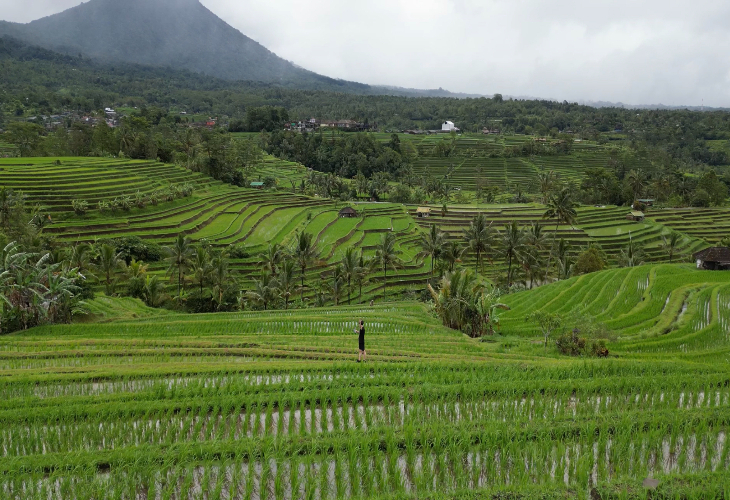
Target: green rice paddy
(149,404)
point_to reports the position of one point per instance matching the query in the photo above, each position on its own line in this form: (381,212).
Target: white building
(448,127)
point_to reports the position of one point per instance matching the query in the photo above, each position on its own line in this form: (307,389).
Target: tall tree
(219,277)
(432,244)
(364,268)
(512,246)
(178,258)
(265,290)
(338,283)
(479,237)
(547,183)
(109,263)
(350,267)
(452,253)
(287,281)
(671,243)
(386,256)
(304,252)
(272,257)
(201,267)
(535,240)
(560,207)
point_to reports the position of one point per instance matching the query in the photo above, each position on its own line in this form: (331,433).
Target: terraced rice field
(470,161)
(223,215)
(605,226)
(656,311)
(7,150)
(273,406)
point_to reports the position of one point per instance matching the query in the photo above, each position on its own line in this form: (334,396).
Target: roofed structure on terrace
(423,212)
(713,259)
(635,216)
(348,212)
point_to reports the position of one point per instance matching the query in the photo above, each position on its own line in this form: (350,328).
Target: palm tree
(547,182)
(350,263)
(338,282)
(432,244)
(637,182)
(219,278)
(364,268)
(200,265)
(265,290)
(632,255)
(178,257)
(565,263)
(512,246)
(452,253)
(272,257)
(671,244)
(304,253)
(153,291)
(287,281)
(479,237)
(535,240)
(136,279)
(387,256)
(560,207)
(79,256)
(109,263)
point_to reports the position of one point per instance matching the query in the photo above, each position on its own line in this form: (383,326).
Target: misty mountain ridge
(185,35)
(179,34)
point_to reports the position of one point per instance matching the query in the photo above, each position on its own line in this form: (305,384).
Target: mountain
(181,34)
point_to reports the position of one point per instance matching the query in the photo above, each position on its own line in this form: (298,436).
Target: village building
(348,213)
(635,216)
(423,212)
(713,259)
(448,126)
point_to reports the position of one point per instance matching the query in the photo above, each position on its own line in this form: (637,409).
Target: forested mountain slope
(181,34)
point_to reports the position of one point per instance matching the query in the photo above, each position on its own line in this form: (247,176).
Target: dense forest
(40,82)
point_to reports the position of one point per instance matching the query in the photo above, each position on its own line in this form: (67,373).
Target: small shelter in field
(257,185)
(636,216)
(649,202)
(713,259)
(423,212)
(348,213)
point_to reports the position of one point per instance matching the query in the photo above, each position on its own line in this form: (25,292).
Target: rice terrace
(224,277)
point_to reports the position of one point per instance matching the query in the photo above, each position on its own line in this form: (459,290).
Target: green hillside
(660,311)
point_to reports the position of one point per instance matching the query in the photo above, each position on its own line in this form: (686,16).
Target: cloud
(641,52)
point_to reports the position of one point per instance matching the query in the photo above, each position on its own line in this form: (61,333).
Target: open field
(272,405)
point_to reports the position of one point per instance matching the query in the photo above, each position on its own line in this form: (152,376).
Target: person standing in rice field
(362,356)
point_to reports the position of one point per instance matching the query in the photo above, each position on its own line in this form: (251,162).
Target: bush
(80,207)
(133,248)
(238,252)
(590,261)
(599,349)
(571,344)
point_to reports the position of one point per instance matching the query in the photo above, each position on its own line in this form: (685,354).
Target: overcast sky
(633,51)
